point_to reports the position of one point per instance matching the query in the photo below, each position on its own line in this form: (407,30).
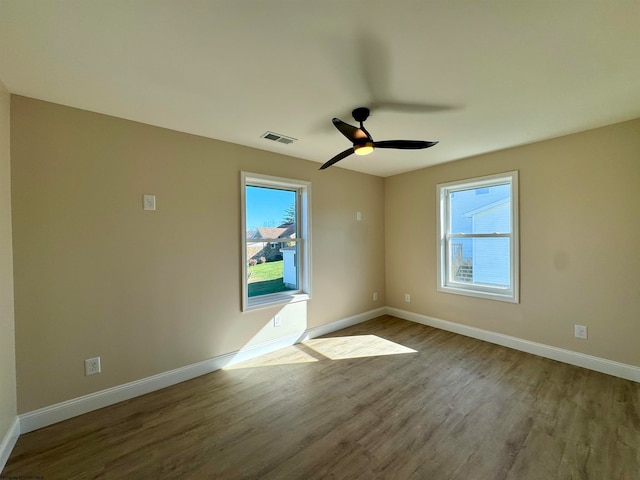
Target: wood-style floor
(453,408)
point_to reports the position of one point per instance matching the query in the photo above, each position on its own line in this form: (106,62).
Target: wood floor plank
(385,399)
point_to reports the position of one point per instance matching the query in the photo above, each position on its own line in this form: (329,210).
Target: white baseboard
(87,403)
(617,369)
(77,406)
(344,323)
(8,442)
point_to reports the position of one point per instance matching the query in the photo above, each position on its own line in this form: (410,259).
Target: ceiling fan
(363,143)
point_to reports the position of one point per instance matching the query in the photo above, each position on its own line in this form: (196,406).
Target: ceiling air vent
(276,137)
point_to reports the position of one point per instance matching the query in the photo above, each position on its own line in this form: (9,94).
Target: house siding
(491,259)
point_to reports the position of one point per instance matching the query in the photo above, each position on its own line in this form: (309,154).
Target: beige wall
(154,291)
(579,243)
(7,334)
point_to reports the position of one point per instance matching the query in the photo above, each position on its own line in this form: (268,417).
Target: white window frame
(303,221)
(444,282)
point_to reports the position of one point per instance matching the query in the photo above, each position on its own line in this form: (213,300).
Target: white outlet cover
(92,366)
(407,298)
(580,331)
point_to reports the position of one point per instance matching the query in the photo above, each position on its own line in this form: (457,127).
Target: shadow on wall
(292,323)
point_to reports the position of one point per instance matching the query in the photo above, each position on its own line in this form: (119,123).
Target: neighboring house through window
(478,237)
(275,259)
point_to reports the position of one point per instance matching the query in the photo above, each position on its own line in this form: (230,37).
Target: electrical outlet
(580,331)
(92,366)
(358,216)
(375,296)
(407,298)
(277,321)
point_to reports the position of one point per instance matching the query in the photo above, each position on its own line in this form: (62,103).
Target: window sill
(274,300)
(508,297)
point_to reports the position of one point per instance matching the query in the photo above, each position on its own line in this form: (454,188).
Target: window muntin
(276,240)
(478,237)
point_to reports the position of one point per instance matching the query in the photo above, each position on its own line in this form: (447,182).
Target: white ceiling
(508,72)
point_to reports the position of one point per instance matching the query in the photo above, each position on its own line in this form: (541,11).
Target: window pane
(271,254)
(270,212)
(486,262)
(480,210)
(277,275)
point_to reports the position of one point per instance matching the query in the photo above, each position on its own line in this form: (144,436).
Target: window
(478,237)
(276,226)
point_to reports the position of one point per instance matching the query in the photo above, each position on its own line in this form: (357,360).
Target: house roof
(489,206)
(284,231)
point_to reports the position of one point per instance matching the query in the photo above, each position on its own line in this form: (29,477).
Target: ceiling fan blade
(349,131)
(374,65)
(404,144)
(403,107)
(337,158)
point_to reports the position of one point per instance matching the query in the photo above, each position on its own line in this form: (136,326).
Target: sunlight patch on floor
(358,346)
(322,349)
(285,356)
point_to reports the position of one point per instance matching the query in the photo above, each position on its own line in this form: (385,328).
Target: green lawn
(265,271)
(265,278)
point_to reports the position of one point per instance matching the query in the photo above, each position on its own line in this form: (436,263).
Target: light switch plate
(149,202)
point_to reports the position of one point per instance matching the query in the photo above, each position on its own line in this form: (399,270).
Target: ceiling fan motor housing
(360,114)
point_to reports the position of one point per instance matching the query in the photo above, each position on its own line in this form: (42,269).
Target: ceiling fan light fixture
(363,149)
(362,141)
